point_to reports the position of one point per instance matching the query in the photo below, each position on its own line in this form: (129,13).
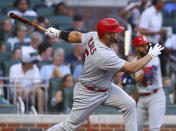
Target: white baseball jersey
(26,80)
(100,62)
(153,71)
(151,20)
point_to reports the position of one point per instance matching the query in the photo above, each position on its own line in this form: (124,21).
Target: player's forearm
(147,32)
(72,37)
(75,37)
(139,64)
(123,13)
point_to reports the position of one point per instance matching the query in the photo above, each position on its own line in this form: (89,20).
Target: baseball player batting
(152,101)
(94,86)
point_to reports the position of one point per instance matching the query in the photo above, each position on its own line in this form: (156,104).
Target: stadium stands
(45,11)
(7,64)
(5,4)
(54,86)
(106,110)
(91,15)
(61,22)
(66,46)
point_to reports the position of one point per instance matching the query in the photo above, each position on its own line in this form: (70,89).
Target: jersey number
(91,47)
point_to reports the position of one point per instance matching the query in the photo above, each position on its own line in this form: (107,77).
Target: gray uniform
(99,66)
(151,107)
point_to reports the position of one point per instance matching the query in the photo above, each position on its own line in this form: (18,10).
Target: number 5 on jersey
(92,49)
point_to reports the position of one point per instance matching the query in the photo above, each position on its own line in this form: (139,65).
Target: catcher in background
(152,100)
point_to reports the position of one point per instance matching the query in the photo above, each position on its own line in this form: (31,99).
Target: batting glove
(156,50)
(52,32)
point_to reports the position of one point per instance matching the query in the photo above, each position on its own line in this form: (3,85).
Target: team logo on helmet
(145,38)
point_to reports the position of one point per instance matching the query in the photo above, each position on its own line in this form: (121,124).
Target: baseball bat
(127,43)
(26,21)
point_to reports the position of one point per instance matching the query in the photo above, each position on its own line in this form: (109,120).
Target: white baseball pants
(86,102)
(151,108)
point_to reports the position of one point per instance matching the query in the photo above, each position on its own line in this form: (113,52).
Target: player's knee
(130,105)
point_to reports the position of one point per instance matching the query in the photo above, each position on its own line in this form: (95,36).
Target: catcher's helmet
(108,25)
(140,40)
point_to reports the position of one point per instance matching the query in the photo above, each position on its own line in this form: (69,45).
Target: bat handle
(42,29)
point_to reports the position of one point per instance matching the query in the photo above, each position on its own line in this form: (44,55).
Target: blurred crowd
(41,72)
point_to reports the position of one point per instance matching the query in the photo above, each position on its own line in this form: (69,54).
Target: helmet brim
(141,43)
(119,29)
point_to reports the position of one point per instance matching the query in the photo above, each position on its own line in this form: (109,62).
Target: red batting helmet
(140,40)
(108,25)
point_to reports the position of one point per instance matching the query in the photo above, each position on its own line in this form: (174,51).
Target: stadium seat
(2,17)
(171,109)
(6,36)
(42,63)
(53,87)
(45,11)
(21,44)
(7,64)
(106,110)
(8,109)
(61,21)
(30,17)
(67,99)
(66,46)
(4,56)
(6,4)
(8,47)
(64,27)
(165,13)
(173,14)
(33,3)
(168,91)
(74,64)
(174,26)
(168,22)
(18,45)
(2,12)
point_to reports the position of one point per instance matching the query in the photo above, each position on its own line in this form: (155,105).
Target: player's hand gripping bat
(26,21)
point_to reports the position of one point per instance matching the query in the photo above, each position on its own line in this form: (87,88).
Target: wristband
(64,35)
